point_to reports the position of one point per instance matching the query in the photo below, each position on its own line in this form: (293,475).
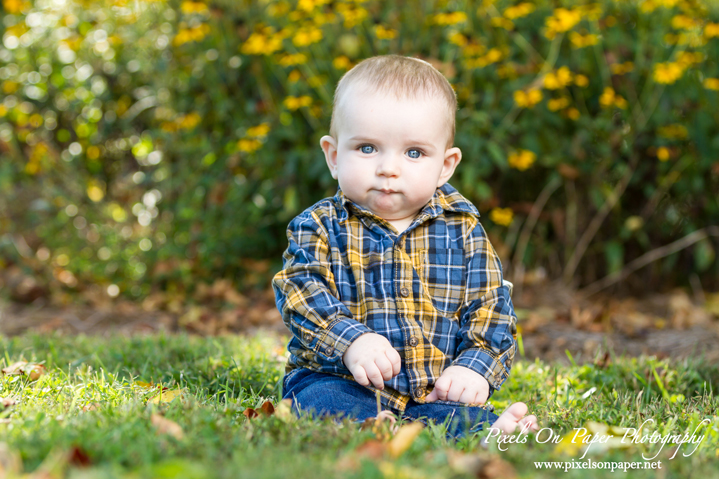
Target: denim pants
(328,395)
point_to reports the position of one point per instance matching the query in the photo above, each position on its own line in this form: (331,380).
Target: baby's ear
(452,157)
(329,147)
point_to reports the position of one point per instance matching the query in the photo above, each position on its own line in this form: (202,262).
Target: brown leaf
(7,402)
(166,426)
(404,439)
(78,457)
(372,449)
(250,413)
(267,408)
(496,468)
(32,371)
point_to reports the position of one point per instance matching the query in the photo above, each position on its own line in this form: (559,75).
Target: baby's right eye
(366,149)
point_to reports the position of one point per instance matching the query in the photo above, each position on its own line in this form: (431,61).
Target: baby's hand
(460,384)
(372,359)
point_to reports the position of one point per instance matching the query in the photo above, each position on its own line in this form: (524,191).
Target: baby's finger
(360,375)
(384,366)
(395,360)
(442,387)
(455,392)
(468,396)
(374,375)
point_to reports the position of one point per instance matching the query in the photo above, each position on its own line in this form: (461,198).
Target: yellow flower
(309,5)
(506,71)
(581,41)
(572,113)
(458,39)
(193,7)
(341,63)
(711,84)
(667,73)
(296,59)
(14,6)
(294,76)
(258,131)
(522,159)
(189,121)
(682,22)
(527,99)
(581,81)
(556,104)
(622,68)
(307,36)
(261,44)
(663,153)
(451,18)
(352,15)
(383,33)
(518,11)
(473,50)
(610,98)
(558,79)
(501,216)
(687,59)
(711,30)
(673,132)
(502,22)
(248,145)
(562,20)
(295,103)
(194,34)
(493,55)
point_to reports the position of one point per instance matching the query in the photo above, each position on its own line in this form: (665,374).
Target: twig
(534,213)
(650,257)
(597,221)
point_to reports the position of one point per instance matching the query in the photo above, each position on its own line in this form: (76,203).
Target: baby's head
(391,136)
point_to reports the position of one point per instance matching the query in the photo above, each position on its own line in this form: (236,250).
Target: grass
(94,401)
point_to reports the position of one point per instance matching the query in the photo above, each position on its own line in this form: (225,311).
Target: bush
(153,144)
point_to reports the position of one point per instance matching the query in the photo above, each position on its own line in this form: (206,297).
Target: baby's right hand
(372,359)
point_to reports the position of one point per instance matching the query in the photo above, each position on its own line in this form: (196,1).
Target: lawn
(166,406)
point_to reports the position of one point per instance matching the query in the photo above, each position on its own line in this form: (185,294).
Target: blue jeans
(328,395)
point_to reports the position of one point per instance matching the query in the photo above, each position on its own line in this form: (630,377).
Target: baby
(392,285)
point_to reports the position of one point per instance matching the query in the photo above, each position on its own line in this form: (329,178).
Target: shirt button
(404,292)
(413,341)
(329,351)
(418,393)
(308,338)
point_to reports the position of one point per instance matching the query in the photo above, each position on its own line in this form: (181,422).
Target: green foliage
(156,144)
(89,399)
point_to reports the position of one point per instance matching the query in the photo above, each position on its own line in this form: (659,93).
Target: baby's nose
(388,166)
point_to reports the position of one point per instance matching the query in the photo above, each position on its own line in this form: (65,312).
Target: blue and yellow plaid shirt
(435,291)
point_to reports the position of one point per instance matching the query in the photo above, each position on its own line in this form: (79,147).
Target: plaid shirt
(435,291)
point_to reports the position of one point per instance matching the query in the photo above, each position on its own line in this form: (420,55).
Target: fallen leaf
(372,449)
(78,457)
(404,439)
(496,468)
(267,408)
(32,371)
(250,413)
(166,426)
(10,462)
(166,396)
(7,402)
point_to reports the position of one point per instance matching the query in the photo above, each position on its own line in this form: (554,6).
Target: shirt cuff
(487,365)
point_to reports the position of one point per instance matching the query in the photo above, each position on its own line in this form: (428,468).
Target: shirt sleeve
(488,325)
(306,293)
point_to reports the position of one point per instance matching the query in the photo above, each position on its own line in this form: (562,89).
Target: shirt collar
(445,198)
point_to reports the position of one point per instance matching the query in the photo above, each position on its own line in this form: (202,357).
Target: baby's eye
(367,149)
(414,153)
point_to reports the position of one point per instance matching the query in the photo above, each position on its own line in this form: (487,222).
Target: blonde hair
(406,77)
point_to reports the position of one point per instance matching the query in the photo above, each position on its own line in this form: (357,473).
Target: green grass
(90,399)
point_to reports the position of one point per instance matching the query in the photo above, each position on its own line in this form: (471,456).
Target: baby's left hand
(460,384)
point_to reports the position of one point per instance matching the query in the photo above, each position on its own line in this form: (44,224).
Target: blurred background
(153,152)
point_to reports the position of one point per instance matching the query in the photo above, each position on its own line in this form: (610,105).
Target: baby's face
(391,155)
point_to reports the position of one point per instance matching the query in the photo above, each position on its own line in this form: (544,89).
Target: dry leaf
(250,413)
(32,371)
(166,426)
(404,439)
(166,396)
(496,468)
(267,408)
(7,402)
(78,457)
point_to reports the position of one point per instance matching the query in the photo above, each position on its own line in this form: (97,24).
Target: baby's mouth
(387,191)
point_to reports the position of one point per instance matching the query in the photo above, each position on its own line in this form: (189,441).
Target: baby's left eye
(414,153)
(367,149)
